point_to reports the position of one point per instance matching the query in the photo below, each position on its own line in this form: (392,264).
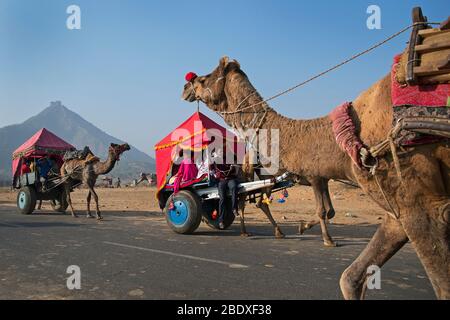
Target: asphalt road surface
(128,256)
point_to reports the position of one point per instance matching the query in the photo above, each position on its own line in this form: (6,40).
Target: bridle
(207,89)
(117,151)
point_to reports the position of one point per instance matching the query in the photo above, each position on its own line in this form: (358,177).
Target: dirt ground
(352,206)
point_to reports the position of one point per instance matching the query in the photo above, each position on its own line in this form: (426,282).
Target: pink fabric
(188,183)
(188,171)
(345,132)
(420,95)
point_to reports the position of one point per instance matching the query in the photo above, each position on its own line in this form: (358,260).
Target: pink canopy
(196,133)
(41,143)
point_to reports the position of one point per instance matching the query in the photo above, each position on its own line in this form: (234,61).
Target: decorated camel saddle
(420,90)
(86,155)
(420,84)
(427,59)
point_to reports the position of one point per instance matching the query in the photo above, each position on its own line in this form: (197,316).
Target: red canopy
(41,143)
(195,134)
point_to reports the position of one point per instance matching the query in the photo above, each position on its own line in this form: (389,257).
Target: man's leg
(222,186)
(233,186)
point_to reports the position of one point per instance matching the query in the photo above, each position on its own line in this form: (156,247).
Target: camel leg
(329,209)
(429,232)
(323,208)
(88,199)
(39,205)
(307,225)
(388,239)
(244,232)
(265,208)
(97,208)
(69,200)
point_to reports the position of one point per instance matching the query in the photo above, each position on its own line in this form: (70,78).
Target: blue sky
(124,70)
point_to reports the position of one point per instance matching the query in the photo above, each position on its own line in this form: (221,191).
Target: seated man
(44,165)
(227,177)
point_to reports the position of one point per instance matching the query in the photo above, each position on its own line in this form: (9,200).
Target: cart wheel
(227,222)
(208,208)
(60,205)
(26,200)
(186,215)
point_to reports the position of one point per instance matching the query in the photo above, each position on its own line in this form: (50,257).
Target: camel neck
(105,167)
(313,139)
(261,116)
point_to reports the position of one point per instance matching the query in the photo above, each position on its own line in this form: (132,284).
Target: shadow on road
(34,224)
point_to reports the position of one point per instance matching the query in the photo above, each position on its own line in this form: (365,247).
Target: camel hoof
(330,244)
(90,216)
(279,234)
(301,228)
(99,218)
(331,214)
(246,234)
(74,216)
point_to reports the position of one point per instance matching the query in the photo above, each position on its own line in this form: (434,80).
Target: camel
(149,177)
(324,208)
(87,173)
(421,201)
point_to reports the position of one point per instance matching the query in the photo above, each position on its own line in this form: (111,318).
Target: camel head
(210,89)
(115,150)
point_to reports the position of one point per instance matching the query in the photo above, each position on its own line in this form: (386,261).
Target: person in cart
(227,179)
(25,168)
(44,165)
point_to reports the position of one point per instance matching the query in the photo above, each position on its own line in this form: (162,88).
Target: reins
(355,56)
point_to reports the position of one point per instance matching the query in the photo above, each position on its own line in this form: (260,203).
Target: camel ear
(224,62)
(237,63)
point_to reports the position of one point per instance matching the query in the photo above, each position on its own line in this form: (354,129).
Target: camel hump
(91,158)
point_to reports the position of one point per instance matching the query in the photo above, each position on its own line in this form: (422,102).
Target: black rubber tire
(61,204)
(214,224)
(26,200)
(194,212)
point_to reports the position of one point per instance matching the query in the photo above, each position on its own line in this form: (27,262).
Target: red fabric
(345,132)
(41,143)
(190,76)
(196,138)
(420,95)
(188,171)
(25,169)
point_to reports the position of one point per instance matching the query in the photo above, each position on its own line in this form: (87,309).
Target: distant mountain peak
(57,104)
(57,107)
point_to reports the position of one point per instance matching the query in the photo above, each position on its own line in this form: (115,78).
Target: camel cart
(26,176)
(198,199)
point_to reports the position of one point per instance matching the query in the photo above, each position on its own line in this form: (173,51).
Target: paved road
(137,256)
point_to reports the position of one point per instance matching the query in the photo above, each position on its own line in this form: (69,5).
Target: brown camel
(211,90)
(87,173)
(421,201)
